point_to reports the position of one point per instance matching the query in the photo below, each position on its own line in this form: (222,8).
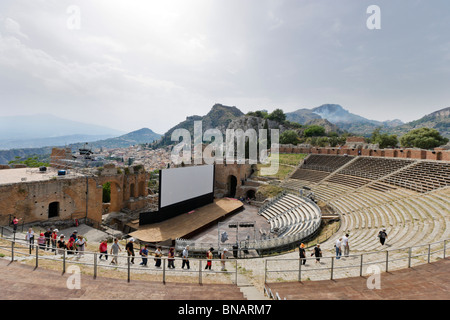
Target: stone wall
(436,154)
(224,174)
(32,200)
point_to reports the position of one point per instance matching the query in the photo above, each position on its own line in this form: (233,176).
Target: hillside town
(136,155)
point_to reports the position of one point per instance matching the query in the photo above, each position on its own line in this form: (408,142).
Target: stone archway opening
(232,185)
(53,209)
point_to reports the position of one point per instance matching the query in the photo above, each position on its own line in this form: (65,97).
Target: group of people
(144,253)
(341,246)
(49,241)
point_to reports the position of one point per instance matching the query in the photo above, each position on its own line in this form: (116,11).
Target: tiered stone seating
(428,281)
(346,180)
(291,214)
(410,219)
(374,168)
(309,175)
(328,163)
(424,176)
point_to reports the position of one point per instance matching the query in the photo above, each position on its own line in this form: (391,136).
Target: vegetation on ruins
(423,138)
(31,162)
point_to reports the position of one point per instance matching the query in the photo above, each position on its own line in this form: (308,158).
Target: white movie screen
(180,184)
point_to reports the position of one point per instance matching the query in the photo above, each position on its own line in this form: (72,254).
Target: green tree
(31,162)
(314,131)
(106,192)
(423,138)
(385,140)
(277,115)
(289,137)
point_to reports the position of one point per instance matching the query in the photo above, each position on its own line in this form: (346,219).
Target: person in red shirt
(103,250)
(54,238)
(15,223)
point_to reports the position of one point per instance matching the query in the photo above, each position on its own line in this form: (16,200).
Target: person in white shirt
(338,246)
(185,256)
(81,244)
(345,245)
(30,237)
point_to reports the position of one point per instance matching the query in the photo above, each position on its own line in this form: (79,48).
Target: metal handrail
(387,260)
(164,261)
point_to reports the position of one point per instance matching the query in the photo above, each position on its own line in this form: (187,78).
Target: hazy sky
(134,64)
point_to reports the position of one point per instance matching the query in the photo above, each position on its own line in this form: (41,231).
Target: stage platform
(187,223)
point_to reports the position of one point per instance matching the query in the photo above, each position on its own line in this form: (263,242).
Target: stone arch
(251,194)
(232,186)
(132,190)
(53,209)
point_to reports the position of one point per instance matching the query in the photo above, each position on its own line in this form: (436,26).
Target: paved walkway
(424,282)
(23,282)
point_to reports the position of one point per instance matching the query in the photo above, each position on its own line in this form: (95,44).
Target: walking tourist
(130,249)
(54,239)
(115,248)
(338,247)
(41,241)
(15,223)
(61,244)
(103,248)
(144,255)
(345,245)
(70,246)
(30,237)
(209,256)
(185,256)
(302,253)
(171,258)
(223,257)
(382,235)
(48,235)
(158,255)
(317,252)
(81,245)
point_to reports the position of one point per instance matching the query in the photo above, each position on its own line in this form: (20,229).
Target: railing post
(64,261)
(129,268)
(265,271)
(300,270)
(200,271)
(409,257)
(236,272)
(332,267)
(12,251)
(164,271)
(95,265)
(361,266)
(387,260)
(37,257)
(445,243)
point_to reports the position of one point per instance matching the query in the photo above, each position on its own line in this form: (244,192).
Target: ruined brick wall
(223,174)
(31,200)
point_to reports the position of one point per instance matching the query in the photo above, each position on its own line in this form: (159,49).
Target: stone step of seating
(424,282)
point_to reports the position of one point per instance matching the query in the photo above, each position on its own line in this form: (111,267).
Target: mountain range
(40,130)
(331,116)
(342,118)
(140,136)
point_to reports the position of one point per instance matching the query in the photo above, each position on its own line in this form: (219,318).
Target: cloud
(13,27)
